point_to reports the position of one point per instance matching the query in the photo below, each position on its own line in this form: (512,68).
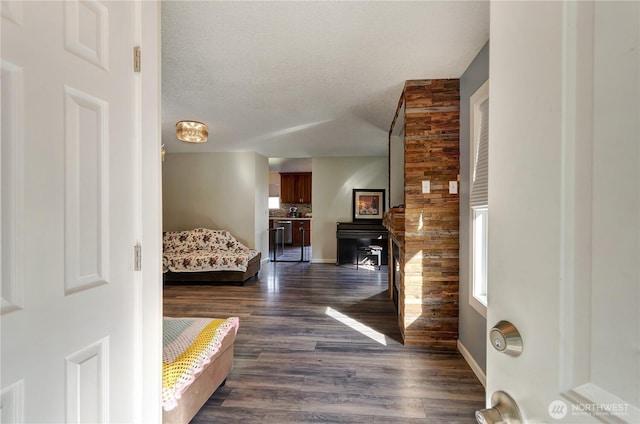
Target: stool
(365,251)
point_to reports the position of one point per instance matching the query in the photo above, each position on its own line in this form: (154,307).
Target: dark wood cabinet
(297,234)
(295,187)
(287,188)
(304,188)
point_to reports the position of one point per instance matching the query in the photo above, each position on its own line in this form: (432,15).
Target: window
(479,255)
(479,199)
(274,202)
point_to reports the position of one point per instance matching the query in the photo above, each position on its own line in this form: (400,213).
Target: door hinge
(137,257)
(136,59)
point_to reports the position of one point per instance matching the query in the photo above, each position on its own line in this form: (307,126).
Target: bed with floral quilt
(197,357)
(203,255)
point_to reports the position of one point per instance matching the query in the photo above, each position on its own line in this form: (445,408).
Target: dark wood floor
(318,343)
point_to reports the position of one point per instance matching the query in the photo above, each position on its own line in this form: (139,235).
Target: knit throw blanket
(188,345)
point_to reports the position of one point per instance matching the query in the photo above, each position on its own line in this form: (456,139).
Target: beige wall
(274,184)
(218,190)
(396,152)
(334,179)
(261,199)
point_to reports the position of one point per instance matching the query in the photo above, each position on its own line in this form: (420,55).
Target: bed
(197,357)
(205,255)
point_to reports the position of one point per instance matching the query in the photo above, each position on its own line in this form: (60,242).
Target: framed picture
(368,204)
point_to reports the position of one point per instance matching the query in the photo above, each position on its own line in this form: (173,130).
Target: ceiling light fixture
(192,131)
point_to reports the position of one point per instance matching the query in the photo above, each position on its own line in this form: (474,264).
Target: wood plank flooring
(319,343)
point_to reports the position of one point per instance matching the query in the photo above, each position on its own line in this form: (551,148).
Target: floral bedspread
(187,346)
(202,249)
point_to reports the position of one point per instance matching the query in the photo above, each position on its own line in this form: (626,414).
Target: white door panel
(564,231)
(12,189)
(71,213)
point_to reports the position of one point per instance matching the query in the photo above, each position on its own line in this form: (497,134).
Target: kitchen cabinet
(287,188)
(297,234)
(295,187)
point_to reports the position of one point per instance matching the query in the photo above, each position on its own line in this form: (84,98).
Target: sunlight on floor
(368,264)
(359,327)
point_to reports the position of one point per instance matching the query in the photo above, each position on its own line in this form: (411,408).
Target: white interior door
(564,196)
(72,212)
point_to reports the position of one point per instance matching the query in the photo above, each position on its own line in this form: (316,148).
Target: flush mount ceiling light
(192,131)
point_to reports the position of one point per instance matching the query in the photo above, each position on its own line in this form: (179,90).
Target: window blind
(480,182)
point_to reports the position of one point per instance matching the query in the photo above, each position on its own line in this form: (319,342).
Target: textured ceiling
(308,78)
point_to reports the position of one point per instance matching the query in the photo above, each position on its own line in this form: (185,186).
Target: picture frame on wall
(368,204)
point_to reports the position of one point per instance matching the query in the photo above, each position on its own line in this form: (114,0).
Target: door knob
(504,410)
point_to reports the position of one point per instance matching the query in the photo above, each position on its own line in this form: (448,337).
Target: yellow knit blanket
(188,345)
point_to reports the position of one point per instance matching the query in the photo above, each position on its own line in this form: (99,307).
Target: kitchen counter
(285,218)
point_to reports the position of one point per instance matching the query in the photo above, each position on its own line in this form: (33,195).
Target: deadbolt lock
(505,338)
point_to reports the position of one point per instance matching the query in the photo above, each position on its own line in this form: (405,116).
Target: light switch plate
(426,187)
(453,187)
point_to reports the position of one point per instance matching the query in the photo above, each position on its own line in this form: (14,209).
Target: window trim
(476,299)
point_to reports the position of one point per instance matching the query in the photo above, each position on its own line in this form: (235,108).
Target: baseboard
(313,261)
(473,364)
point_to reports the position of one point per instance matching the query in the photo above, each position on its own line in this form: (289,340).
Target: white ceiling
(308,78)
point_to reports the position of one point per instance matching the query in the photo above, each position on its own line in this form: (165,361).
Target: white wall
(220,191)
(334,179)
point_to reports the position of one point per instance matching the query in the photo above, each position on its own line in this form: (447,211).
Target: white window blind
(480,178)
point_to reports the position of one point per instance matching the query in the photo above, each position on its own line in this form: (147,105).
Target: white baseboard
(313,261)
(473,364)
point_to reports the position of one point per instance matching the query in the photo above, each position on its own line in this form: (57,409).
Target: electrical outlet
(453,187)
(426,187)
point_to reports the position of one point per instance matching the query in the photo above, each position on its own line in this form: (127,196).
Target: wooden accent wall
(429,239)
